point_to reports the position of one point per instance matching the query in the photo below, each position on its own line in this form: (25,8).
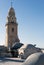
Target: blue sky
(30,18)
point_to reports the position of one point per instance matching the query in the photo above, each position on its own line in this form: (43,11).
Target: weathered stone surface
(35,59)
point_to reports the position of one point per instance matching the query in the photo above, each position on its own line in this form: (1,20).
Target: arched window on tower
(12,29)
(12,19)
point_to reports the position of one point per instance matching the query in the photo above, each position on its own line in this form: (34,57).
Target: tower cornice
(14,23)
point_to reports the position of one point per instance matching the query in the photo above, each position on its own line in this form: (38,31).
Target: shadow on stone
(10,60)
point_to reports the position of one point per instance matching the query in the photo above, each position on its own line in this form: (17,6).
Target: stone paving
(11,61)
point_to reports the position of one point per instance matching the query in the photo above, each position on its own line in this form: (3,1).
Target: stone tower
(11,29)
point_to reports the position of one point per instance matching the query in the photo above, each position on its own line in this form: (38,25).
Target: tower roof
(11,12)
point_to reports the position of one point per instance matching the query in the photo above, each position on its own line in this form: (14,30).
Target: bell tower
(11,28)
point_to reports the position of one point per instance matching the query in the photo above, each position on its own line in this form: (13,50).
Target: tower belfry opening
(11,28)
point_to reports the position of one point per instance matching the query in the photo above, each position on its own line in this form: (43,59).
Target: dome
(35,59)
(11,12)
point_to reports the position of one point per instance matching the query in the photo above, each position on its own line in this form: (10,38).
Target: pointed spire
(11,3)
